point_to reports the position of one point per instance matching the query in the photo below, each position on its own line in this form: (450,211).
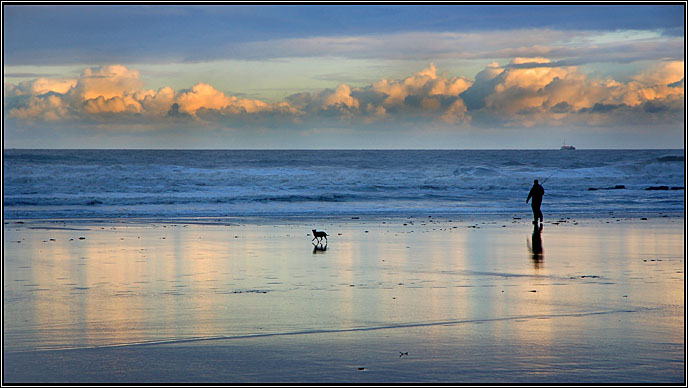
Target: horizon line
(332,149)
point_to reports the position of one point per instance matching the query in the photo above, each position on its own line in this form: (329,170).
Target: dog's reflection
(319,248)
(536,251)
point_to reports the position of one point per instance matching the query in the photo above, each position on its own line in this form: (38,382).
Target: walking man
(536,192)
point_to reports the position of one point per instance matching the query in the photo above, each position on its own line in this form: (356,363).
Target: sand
(456,299)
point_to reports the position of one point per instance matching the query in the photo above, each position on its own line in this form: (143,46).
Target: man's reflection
(536,248)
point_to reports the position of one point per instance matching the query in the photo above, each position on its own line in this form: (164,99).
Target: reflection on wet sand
(319,248)
(535,249)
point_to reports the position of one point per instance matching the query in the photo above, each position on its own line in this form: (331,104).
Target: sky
(334,76)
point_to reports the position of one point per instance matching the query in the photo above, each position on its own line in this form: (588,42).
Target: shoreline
(355,217)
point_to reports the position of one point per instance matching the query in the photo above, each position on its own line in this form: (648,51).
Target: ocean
(57,184)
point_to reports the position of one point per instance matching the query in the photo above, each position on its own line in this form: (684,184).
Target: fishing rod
(543,182)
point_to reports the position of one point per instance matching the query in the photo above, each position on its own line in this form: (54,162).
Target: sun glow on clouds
(526,92)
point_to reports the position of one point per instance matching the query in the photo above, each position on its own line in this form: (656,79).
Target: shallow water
(469,299)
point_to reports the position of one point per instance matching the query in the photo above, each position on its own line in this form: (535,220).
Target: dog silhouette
(319,235)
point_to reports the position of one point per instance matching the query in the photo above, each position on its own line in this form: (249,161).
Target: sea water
(50,184)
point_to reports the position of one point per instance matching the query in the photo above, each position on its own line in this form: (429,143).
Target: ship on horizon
(565,147)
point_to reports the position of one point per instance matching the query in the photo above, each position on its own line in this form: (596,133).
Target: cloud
(340,97)
(111,92)
(107,82)
(572,47)
(663,73)
(132,34)
(579,46)
(202,96)
(535,91)
(157,103)
(39,86)
(49,108)
(424,94)
(525,92)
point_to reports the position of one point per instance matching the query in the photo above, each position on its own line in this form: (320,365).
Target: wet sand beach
(455,299)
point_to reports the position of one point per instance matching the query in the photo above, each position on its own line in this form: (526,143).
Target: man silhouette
(536,192)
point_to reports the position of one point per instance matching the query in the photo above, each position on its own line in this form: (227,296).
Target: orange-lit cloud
(157,103)
(47,108)
(525,92)
(107,82)
(533,91)
(425,83)
(115,89)
(202,96)
(341,96)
